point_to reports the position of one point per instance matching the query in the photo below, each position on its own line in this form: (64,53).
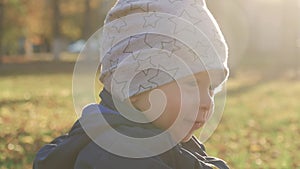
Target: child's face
(175,99)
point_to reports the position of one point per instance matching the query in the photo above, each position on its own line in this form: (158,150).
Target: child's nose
(205,106)
(205,101)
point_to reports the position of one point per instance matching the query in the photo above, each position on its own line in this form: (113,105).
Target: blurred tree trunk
(1,27)
(298,40)
(28,48)
(86,29)
(291,19)
(57,39)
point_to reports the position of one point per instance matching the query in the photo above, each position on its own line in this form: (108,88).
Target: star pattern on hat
(203,18)
(130,48)
(146,72)
(179,28)
(144,7)
(125,3)
(187,16)
(161,72)
(153,78)
(152,73)
(144,64)
(151,20)
(170,46)
(145,41)
(119,87)
(119,25)
(197,3)
(146,84)
(173,1)
(110,41)
(113,64)
(166,53)
(201,46)
(217,38)
(143,88)
(195,57)
(171,71)
(136,55)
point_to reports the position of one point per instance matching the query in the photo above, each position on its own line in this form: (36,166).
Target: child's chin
(186,138)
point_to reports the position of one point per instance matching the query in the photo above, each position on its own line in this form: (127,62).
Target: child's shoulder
(93,156)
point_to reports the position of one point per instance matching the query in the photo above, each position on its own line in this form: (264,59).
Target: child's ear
(133,99)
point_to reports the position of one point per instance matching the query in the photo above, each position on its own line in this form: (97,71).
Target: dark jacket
(77,150)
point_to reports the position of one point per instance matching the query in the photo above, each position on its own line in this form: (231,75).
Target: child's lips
(195,124)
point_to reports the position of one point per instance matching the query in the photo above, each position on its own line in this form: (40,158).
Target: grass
(260,125)
(259,129)
(35,106)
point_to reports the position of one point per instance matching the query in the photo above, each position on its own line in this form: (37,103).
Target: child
(162,62)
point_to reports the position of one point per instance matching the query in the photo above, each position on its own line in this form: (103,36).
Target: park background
(260,125)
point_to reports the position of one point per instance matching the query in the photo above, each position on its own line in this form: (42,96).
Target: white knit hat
(148,43)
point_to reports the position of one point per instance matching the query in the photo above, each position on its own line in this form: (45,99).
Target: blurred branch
(1,27)
(86,20)
(56,47)
(56,18)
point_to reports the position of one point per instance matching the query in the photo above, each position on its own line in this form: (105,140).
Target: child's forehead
(214,77)
(197,76)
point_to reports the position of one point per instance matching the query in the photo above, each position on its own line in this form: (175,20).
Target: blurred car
(76,46)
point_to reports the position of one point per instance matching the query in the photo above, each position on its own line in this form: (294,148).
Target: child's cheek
(171,111)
